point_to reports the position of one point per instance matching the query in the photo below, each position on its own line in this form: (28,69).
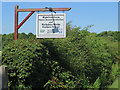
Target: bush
(81,60)
(28,63)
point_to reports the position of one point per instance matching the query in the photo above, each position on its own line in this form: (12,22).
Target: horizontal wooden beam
(43,9)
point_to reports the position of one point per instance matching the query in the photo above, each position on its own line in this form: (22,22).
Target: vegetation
(81,60)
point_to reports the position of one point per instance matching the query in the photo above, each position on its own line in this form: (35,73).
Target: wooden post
(16,23)
(3,78)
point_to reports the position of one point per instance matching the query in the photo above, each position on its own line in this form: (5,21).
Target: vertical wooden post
(16,23)
(3,78)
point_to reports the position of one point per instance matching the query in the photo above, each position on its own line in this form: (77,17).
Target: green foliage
(97,83)
(115,70)
(81,60)
(62,80)
(28,63)
(7,39)
(112,35)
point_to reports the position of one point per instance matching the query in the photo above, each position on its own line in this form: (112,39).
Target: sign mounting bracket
(31,12)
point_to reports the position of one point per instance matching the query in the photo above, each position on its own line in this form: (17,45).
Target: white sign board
(51,25)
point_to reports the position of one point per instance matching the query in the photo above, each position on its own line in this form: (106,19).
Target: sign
(51,25)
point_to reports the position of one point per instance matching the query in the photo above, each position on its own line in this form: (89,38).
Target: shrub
(28,63)
(81,60)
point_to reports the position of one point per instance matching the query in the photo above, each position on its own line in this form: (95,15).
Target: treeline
(81,60)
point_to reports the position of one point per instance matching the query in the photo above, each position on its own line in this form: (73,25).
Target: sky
(103,15)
